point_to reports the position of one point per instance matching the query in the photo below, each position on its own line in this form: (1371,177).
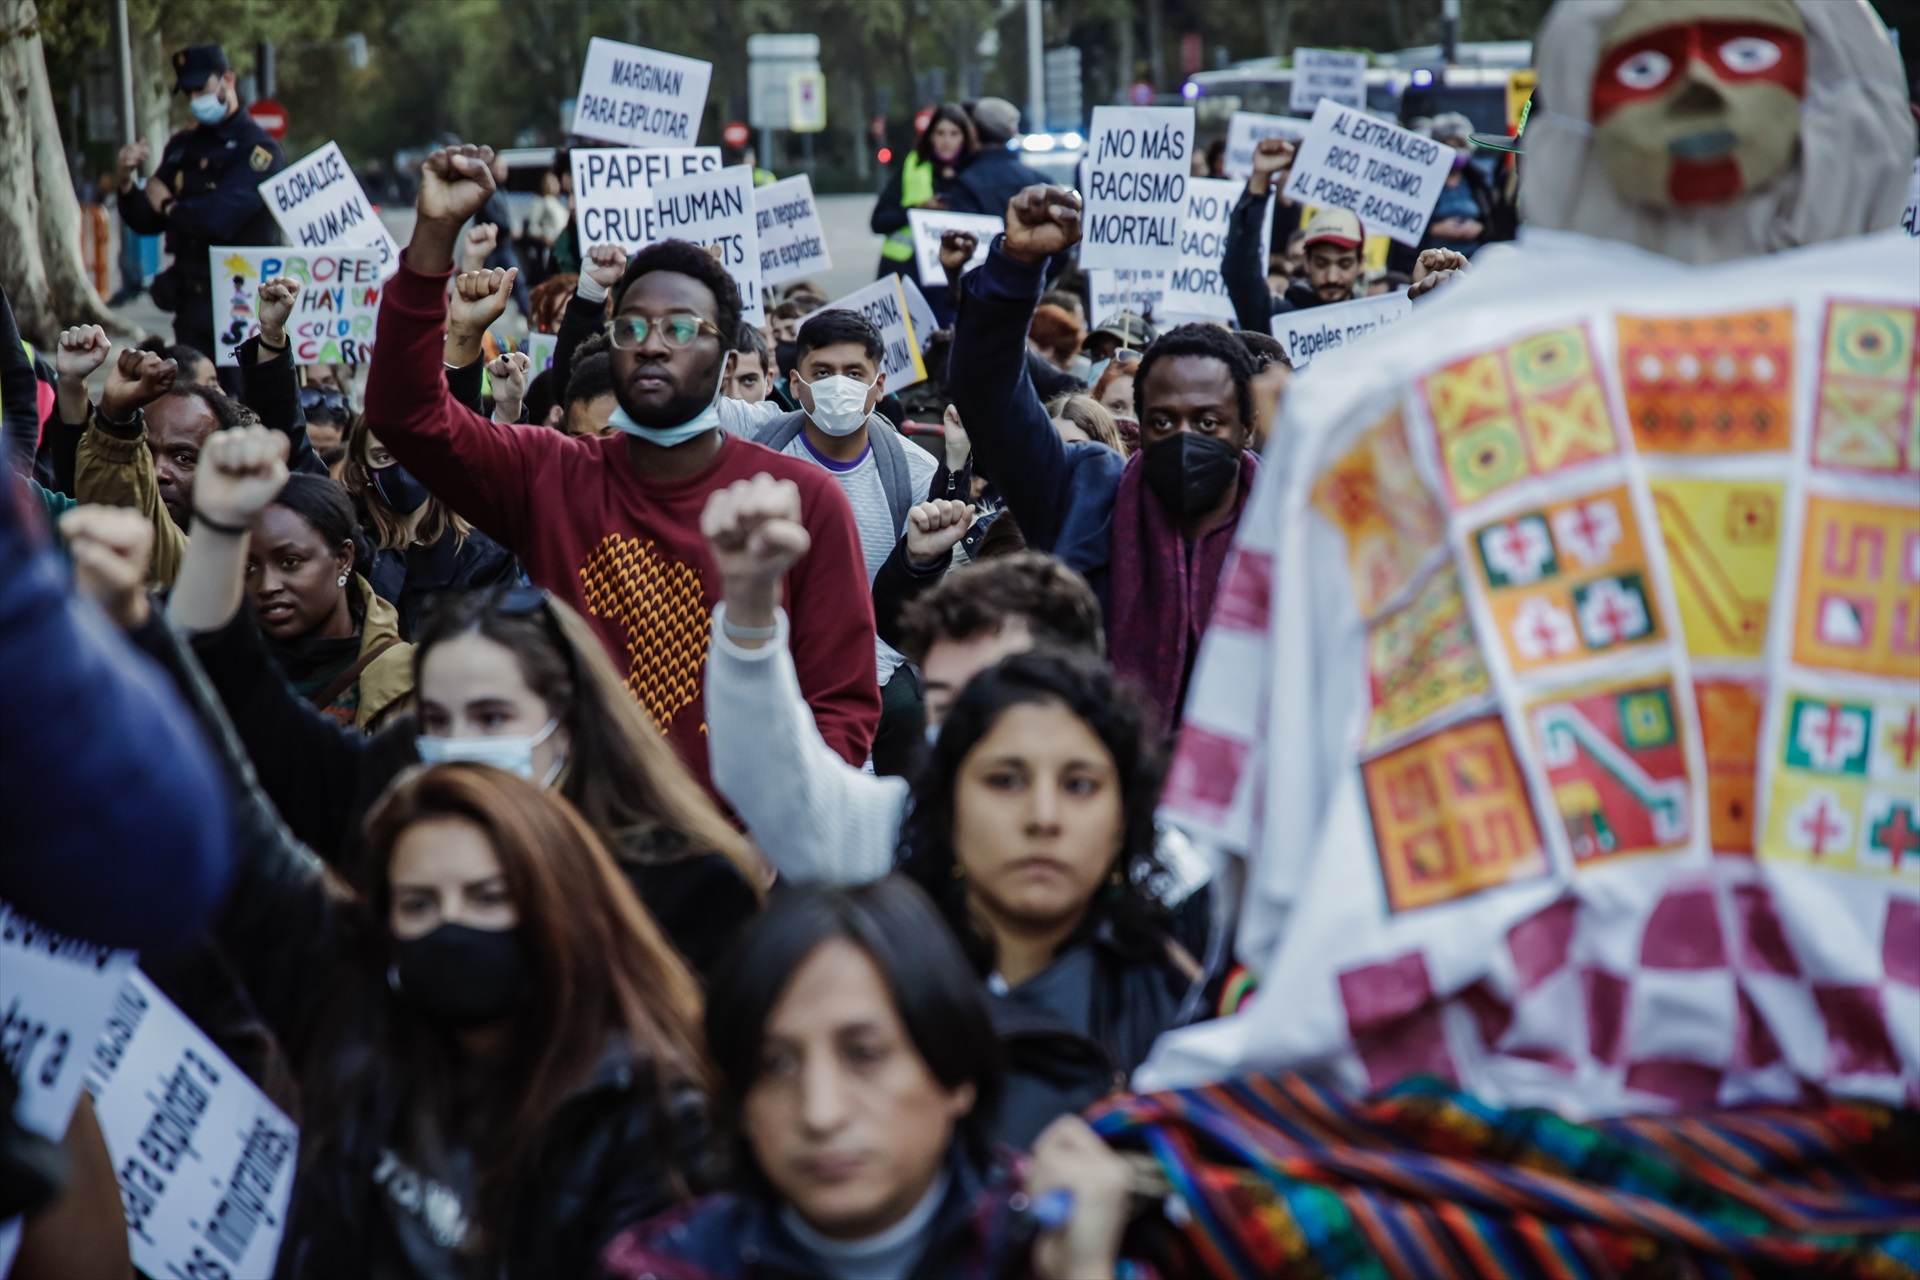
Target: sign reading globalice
(319,204)
(1388,176)
(1138,164)
(640,97)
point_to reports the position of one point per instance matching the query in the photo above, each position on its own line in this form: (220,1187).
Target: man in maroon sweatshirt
(611,524)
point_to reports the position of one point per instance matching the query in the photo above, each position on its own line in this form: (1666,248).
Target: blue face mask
(667,437)
(508,753)
(208,108)
(1099,367)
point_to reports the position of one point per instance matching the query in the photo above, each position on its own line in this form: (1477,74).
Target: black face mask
(398,486)
(458,977)
(1190,472)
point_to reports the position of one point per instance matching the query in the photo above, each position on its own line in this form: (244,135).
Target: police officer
(205,191)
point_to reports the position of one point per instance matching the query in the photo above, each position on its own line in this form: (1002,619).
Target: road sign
(773,63)
(735,134)
(271,116)
(807,102)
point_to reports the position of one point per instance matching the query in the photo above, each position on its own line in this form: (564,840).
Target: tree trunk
(1278,19)
(1124,55)
(40,264)
(1156,46)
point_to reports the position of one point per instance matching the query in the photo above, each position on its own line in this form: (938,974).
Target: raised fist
(276,306)
(482,239)
(1042,221)
(132,156)
(137,379)
(933,528)
(1272,157)
(240,473)
(753,527)
(454,183)
(605,264)
(508,373)
(110,548)
(82,349)
(479,298)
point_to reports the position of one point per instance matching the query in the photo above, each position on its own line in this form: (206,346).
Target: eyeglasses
(323,402)
(677,330)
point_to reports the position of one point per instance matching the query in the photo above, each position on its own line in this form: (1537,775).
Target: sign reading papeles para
(333,316)
(1327,74)
(715,211)
(883,303)
(1390,177)
(613,190)
(792,243)
(1317,330)
(1249,127)
(319,204)
(928,226)
(1196,289)
(1136,187)
(640,97)
(205,1160)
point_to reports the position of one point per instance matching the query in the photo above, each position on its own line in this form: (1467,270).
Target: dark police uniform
(214,171)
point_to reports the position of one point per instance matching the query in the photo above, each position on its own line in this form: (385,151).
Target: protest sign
(319,205)
(1141,292)
(919,313)
(1390,177)
(333,316)
(539,349)
(885,304)
(205,1161)
(716,210)
(1330,74)
(792,242)
(1317,330)
(1910,218)
(613,190)
(1136,187)
(1196,289)
(929,224)
(1247,128)
(55,995)
(640,97)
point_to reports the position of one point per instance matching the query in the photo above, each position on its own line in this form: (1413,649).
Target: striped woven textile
(1280,1177)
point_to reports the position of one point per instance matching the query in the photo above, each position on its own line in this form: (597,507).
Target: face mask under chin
(685,416)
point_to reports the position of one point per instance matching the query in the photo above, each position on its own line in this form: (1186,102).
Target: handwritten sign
(1196,289)
(319,205)
(716,209)
(792,243)
(883,303)
(613,190)
(640,97)
(1910,218)
(333,316)
(1136,187)
(1141,292)
(539,349)
(1306,334)
(1327,74)
(1249,127)
(205,1160)
(928,226)
(1390,177)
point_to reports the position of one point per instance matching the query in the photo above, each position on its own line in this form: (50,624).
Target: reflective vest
(916,188)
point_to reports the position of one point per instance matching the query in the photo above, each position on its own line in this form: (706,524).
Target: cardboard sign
(1196,289)
(716,209)
(333,316)
(1330,74)
(319,204)
(1141,292)
(1136,187)
(793,245)
(55,995)
(885,305)
(613,190)
(1306,334)
(1249,127)
(539,349)
(1390,177)
(205,1161)
(928,226)
(640,97)
(1910,218)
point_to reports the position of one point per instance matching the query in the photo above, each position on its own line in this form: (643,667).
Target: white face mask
(839,404)
(208,108)
(506,752)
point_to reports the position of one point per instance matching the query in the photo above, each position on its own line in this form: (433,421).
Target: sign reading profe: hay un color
(792,242)
(613,190)
(333,316)
(319,205)
(1138,164)
(716,211)
(640,97)
(1330,74)
(1390,177)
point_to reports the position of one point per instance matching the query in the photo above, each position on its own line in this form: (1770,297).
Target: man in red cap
(1333,248)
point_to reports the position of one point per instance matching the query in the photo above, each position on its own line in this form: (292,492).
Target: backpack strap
(344,681)
(778,433)
(896,477)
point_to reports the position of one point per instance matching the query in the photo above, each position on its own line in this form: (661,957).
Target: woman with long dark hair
(926,177)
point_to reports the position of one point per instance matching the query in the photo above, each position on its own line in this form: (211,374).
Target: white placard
(928,226)
(640,97)
(205,1160)
(793,245)
(1306,334)
(1249,127)
(55,995)
(1327,74)
(539,349)
(712,209)
(333,316)
(1141,292)
(885,304)
(1196,290)
(1390,177)
(1910,218)
(319,205)
(1136,187)
(919,311)
(613,190)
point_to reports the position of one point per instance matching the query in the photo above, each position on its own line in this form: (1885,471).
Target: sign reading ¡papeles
(640,97)
(792,242)
(1390,177)
(929,224)
(613,190)
(333,316)
(1327,73)
(1136,187)
(1316,330)
(1141,292)
(715,211)
(1196,289)
(883,303)
(1247,128)
(205,1160)
(319,205)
